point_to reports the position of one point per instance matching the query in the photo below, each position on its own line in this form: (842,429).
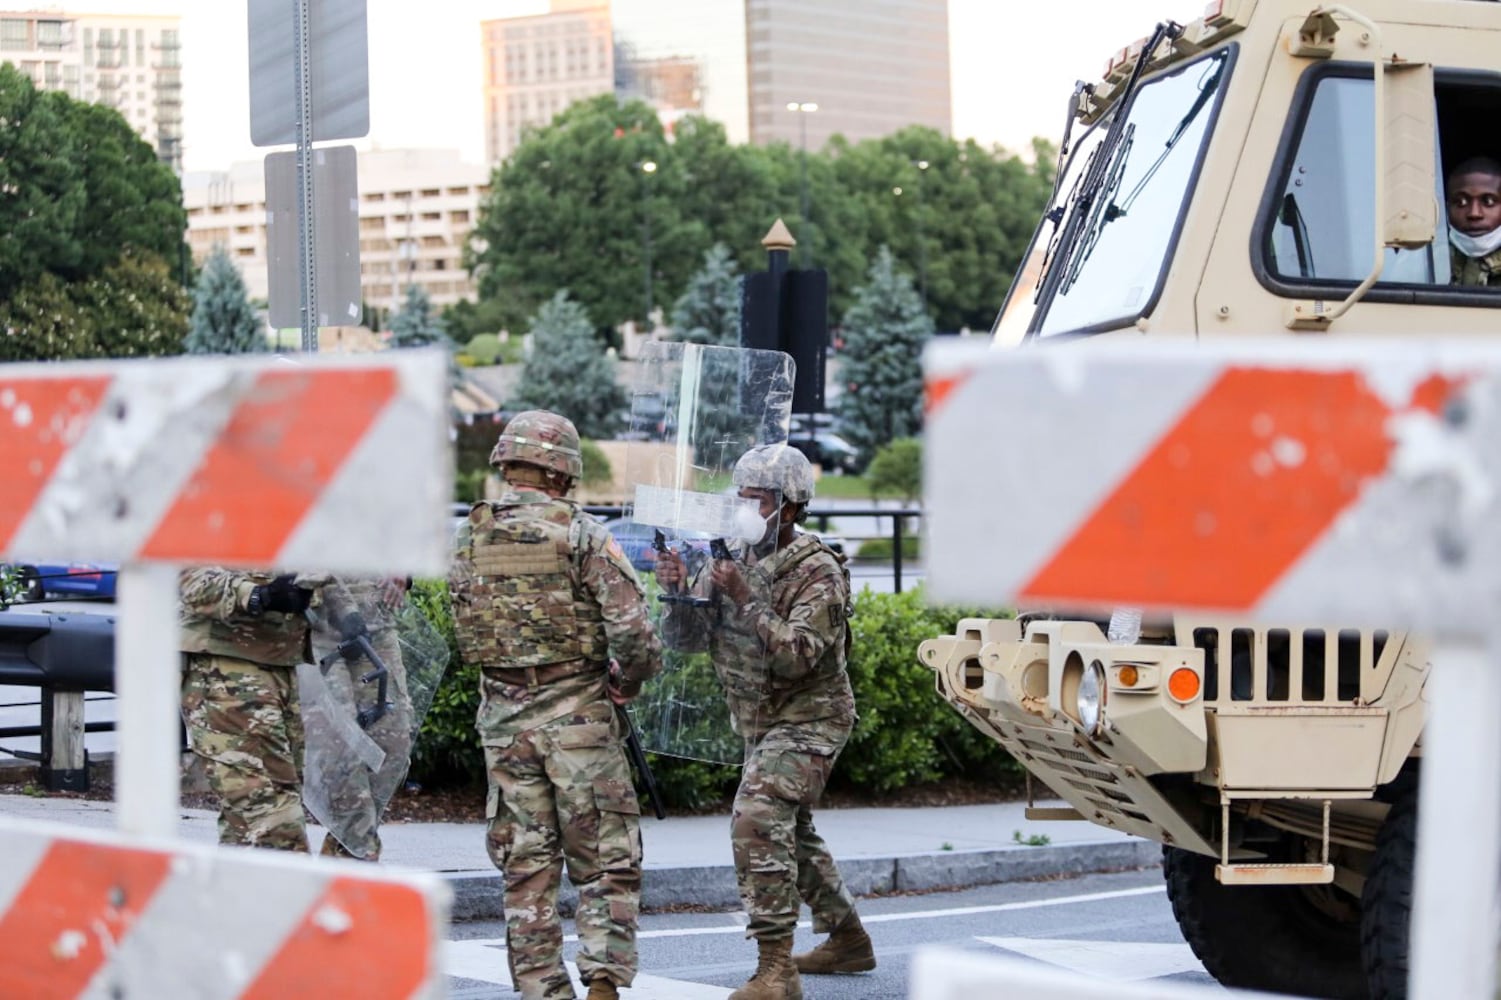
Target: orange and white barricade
(339,464)
(1353,481)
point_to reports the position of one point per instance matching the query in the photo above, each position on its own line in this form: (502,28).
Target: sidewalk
(688,861)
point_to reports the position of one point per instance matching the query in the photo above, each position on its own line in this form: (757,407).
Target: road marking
(484,961)
(1118,961)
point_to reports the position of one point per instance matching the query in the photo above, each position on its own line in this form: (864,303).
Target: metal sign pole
(306,247)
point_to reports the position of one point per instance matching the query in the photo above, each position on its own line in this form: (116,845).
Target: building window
(13,34)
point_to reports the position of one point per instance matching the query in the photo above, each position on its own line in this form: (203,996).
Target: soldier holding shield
(774,617)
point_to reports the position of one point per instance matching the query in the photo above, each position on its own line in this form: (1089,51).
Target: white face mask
(1475,246)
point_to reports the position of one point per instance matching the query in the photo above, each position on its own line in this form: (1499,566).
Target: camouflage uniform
(360,796)
(239,701)
(1475,271)
(543,598)
(780,657)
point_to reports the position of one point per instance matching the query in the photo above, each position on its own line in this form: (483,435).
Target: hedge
(905,734)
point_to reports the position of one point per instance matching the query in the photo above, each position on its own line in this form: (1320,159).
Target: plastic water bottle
(1125,626)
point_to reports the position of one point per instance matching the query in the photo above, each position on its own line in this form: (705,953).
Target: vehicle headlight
(1090,704)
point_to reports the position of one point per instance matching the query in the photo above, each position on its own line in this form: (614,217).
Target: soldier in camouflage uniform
(777,628)
(1473,193)
(243,635)
(547,604)
(359,796)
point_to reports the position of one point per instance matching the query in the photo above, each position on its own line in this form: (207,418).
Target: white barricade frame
(1085,476)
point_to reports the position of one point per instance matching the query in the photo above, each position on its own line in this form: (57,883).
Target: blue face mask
(1475,246)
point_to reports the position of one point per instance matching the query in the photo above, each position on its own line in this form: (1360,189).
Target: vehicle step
(1274,874)
(1053,813)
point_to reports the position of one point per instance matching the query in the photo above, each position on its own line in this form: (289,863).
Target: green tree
(708,312)
(884,333)
(465,319)
(572,208)
(569,372)
(93,231)
(484,348)
(415,324)
(222,321)
(897,469)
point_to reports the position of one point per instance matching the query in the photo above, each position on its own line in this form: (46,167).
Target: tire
(1386,903)
(1283,939)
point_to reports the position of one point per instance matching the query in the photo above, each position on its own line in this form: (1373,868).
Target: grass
(841,488)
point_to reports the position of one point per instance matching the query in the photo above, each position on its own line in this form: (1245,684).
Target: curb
(477,894)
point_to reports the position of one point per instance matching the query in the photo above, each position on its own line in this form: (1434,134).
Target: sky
(1013,65)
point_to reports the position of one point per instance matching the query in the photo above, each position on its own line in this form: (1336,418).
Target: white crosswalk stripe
(485,961)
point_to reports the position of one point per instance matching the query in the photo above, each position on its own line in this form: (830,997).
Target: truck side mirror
(1410,127)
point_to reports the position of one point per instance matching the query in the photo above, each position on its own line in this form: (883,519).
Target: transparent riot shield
(377,663)
(696,411)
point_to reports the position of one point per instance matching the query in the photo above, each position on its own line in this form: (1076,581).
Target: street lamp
(804,109)
(648,167)
(922,241)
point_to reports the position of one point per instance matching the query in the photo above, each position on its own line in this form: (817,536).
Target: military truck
(1267,168)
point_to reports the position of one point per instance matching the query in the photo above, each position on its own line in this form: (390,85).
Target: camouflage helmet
(543,439)
(776,467)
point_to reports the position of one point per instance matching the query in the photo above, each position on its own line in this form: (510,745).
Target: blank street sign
(340,58)
(337,223)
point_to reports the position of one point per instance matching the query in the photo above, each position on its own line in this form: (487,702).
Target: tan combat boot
(602,989)
(776,977)
(848,949)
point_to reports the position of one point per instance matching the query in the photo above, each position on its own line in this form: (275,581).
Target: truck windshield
(1123,208)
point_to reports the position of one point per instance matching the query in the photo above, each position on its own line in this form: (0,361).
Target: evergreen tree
(569,372)
(884,333)
(709,310)
(415,324)
(223,322)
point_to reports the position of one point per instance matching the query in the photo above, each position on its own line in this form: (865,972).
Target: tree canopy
(881,360)
(222,321)
(567,371)
(91,262)
(708,311)
(572,208)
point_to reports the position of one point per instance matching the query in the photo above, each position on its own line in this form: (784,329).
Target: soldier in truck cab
(1472,193)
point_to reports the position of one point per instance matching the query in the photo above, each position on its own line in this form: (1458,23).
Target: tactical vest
(524,610)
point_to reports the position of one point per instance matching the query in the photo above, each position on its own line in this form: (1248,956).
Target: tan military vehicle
(1267,168)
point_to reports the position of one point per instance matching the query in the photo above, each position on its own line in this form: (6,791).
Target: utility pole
(804,109)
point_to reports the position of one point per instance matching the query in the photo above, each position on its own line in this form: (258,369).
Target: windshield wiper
(1103,164)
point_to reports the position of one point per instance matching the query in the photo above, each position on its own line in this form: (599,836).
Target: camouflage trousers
(243,718)
(780,860)
(350,797)
(562,794)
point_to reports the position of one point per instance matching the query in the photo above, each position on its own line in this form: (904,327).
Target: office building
(871,66)
(132,63)
(536,66)
(416,209)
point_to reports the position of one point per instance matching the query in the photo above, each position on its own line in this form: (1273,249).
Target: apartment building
(535,66)
(416,209)
(132,63)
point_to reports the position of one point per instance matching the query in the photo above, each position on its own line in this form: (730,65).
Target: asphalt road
(1117,928)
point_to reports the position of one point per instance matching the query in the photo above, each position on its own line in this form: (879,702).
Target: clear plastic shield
(378,661)
(696,411)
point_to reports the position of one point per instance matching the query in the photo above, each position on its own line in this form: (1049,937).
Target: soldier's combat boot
(776,977)
(848,949)
(602,989)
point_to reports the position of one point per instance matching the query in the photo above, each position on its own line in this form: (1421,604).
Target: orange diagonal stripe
(40,418)
(78,905)
(937,388)
(283,445)
(360,939)
(1231,497)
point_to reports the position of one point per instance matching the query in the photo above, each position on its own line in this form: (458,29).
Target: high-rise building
(132,63)
(417,207)
(871,67)
(535,66)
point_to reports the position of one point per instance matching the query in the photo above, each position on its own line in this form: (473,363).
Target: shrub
(897,469)
(484,348)
(906,734)
(597,471)
(880,548)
